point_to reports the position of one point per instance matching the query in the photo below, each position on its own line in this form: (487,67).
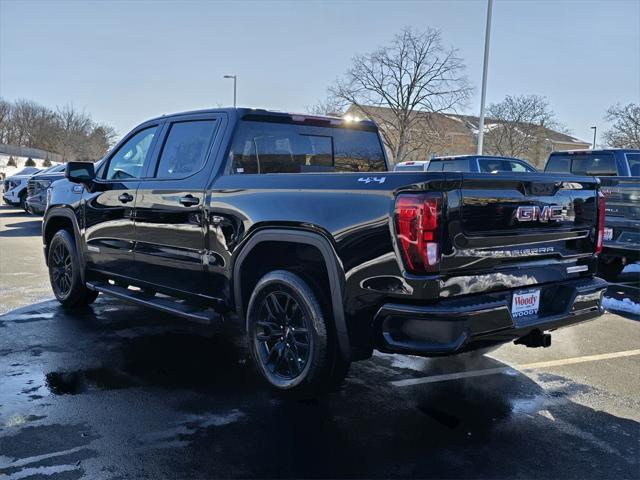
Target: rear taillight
(418,219)
(601,215)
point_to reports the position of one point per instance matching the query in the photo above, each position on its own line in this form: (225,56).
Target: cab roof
(272,115)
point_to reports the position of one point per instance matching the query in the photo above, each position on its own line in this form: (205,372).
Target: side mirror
(80,172)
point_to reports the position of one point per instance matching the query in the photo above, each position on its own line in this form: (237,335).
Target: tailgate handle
(546,189)
(189,201)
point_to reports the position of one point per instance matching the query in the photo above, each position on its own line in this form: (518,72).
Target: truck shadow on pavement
(30,228)
(166,399)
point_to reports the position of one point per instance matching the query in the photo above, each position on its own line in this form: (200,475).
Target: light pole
(595,129)
(235,79)
(487,37)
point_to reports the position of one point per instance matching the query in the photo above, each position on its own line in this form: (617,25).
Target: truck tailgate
(502,221)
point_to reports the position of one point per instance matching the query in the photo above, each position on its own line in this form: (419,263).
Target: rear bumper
(456,325)
(626,238)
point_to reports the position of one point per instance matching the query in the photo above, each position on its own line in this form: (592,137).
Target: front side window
(185,149)
(265,147)
(128,161)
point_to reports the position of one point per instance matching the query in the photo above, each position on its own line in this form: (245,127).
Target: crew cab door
(109,206)
(169,226)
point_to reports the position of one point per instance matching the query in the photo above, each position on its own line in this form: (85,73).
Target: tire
(292,344)
(610,270)
(65,272)
(23,201)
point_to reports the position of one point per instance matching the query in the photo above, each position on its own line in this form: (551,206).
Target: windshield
(54,169)
(28,170)
(410,168)
(603,164)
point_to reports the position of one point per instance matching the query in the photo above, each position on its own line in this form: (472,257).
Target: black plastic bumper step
(165,304)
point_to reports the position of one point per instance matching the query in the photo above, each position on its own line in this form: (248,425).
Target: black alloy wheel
(282,337)
(65,272)
(292,338)
(61,270)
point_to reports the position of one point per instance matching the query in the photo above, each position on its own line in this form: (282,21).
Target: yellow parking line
(527,366)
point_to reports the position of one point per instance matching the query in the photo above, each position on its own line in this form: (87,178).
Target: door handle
(125,197)
(189,200)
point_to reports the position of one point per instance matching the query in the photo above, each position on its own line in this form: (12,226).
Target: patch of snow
(632,268)
(624,305)
(20,161)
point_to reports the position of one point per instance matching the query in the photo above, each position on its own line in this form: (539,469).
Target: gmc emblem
(548,213)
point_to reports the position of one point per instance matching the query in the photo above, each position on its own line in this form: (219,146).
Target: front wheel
(65,272)
(292,344)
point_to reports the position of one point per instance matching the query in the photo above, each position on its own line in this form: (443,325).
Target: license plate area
(608,233)
(525,304)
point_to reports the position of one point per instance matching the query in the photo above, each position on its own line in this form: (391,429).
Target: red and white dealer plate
(525,303)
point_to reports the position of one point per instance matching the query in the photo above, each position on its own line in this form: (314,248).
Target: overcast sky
(125,62)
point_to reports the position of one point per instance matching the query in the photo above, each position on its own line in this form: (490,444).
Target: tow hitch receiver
(535,339)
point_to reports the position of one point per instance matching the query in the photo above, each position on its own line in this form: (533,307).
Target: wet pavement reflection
(117,391)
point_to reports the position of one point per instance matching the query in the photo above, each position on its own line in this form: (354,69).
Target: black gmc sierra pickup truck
(293,227)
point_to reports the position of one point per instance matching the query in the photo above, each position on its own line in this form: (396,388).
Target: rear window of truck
(602,164)
(458,165)
(268,147)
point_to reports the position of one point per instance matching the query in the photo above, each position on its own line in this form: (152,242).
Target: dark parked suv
(291,227)
(619,173)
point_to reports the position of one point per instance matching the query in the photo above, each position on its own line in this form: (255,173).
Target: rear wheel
(291,342)
(65,272)
(610,270)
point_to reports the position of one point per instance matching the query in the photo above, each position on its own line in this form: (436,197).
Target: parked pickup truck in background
(479,163)
(37,188)
(14,190)
(619,173)
(292,227)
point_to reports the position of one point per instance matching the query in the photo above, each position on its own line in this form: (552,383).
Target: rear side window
(264,147)
(518,167)
(601,164)
(490,165)
(458,165)
(594,164)
(185,150)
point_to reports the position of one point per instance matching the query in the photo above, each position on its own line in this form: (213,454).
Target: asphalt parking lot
(118,391)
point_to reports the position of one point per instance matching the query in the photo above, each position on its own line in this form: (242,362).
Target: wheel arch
(335,275)
(61,219)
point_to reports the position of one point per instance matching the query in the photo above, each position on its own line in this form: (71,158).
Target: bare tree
(330,106)
(66,131)
(518,126)
(413,76)
(625,131)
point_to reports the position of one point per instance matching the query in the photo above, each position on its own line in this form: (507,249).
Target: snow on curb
(624,305)
(632,268)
